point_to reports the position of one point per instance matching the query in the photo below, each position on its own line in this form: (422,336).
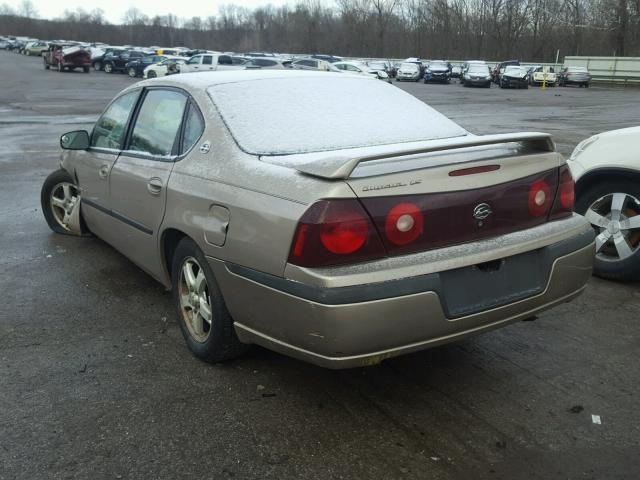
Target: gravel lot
(96,382)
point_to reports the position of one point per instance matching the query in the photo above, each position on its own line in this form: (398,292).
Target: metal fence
(623,70)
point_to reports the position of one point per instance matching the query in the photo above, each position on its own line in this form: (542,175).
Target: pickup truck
(67,57)
(208,62)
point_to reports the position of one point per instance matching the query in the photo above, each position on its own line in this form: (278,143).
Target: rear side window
(158,122)
(225,60)
(109,129)
(193,128)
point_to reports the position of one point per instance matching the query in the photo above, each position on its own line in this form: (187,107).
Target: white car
(311,64)
(408,71)
(541,75)
(166,67)
(606,169)
(359,68)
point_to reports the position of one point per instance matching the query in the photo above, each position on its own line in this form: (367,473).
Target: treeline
(456,29)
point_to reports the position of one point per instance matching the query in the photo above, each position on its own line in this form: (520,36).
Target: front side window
(207,60)
(193,128)
(193,61)
(109,129)
(158,123)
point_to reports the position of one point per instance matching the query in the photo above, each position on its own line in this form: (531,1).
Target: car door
(207,63)
(192,65)
(92,167)
(139,178)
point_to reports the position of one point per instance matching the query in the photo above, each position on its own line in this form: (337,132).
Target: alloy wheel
(616,219)
(64,198)
(195,301)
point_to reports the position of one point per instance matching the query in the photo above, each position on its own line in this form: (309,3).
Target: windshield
(439,65)
(514,71)
(330,113)
(409,66)
(479,69)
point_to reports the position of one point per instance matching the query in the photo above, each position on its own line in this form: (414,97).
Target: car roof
(203,80)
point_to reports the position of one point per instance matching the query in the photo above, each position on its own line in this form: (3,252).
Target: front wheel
(46,65)
(85,69)
(108,68)
(151,74)
(613,209)
(60,201)
(204,320)
(132,72)
(97,66)
(60,67)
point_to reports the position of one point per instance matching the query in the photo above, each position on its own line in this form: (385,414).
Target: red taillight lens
(539,198)
(333,232)
(404,224)
(563,205)
(344,229)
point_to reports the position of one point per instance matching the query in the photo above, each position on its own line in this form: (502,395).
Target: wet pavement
(96,382)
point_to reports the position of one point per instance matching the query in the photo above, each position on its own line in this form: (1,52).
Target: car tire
(108,68)
(132,72)
(85,69)
(595,201)
(46,65)
(97,66)
(60,186)
(194,286)
(151,74)
(60,67)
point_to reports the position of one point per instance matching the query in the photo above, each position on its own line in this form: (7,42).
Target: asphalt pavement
(96,381)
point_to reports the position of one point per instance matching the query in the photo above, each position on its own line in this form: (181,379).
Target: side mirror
(78,140)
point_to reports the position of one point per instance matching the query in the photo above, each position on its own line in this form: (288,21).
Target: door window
(193,61)
(193,128)
(207,60)
(109,129)
(158,122)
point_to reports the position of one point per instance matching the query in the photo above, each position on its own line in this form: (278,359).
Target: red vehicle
(67,57)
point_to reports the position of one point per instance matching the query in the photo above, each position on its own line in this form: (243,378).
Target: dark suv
(117,62)
(135,68)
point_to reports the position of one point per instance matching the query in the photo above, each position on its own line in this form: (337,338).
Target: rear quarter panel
(264,201)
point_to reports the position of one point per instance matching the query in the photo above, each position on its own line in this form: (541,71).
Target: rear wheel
(613,209)
(85,69)
(203,317)
(151,74)
(46,65)
(60,67)
(132,72)
(108,68)
(97,66)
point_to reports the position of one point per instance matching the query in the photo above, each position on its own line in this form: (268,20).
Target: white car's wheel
(151,74)
(613,209)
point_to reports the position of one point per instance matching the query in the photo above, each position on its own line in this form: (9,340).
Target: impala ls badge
(482,211)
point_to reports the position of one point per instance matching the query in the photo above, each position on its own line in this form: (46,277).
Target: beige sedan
(280,211)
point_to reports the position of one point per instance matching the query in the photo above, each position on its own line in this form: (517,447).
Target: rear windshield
(280,116)
(577,69)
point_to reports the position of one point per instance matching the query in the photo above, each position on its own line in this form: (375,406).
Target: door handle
(154,185)
(103,171)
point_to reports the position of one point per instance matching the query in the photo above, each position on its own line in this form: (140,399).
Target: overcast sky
(114,9)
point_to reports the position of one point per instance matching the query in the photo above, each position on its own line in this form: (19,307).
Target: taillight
(539,198)
(333,232)
(563,205)
(404,224)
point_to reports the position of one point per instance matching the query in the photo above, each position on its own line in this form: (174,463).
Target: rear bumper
(362,325)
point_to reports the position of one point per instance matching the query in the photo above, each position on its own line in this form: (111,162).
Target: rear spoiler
(342,166)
